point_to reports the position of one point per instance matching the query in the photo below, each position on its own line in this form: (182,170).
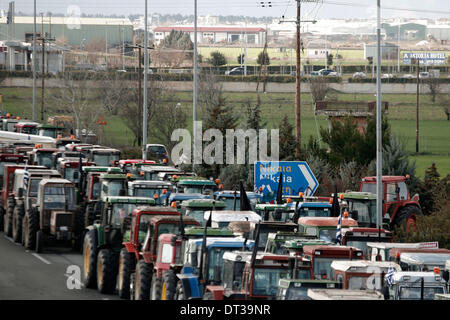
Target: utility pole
(417,108)
(43,38)
(144,125)
(379,204)
(298,127)
(34,63)
(194,94)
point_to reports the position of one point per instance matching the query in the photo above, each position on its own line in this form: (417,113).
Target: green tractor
(196,207)
(103,241)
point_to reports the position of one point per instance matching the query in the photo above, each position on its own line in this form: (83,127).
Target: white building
(206,34)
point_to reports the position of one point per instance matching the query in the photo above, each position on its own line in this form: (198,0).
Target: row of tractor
(149,230)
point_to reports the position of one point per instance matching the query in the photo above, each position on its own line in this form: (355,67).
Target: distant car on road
(334,74)
(408,76)
(325,72)
(121,70)
(359,75)
(387,76)
(424,75)
(235,71)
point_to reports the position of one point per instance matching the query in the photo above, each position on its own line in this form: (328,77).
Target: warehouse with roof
(216,34)
(73,31)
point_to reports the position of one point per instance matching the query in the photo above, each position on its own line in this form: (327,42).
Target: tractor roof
(422,258)
(202,203)
(172,218)
(112,176)
(229,215)
(49,126)
(230,194)
(134,200)
(187,196)
(332,248)
(39,172)
(373,179)
(103,150)
(149,183)
(314,205)
(195,182)
(394,251)
(300,243)
(416,276)
(213,232)
(55,181)
(236,255)
(235,242)
(155,209)
(390,245)
(364,266)
(327,221)
(360,195)
(102,169)
(272,207)
(286,283)
(153,168)
(339,294)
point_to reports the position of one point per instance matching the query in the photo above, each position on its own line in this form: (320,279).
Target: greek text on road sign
(297,177)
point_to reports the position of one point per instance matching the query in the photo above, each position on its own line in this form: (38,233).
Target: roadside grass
(434,129)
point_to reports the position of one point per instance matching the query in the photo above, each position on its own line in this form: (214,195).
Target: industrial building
(405,31)
(71,31)
(389,51)
(210,35)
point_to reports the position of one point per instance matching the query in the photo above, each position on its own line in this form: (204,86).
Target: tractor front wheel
(106,271)
(90,259)
(169,286)
(156,288)
(126,265)
(17,223)
(407,217)
(143,281)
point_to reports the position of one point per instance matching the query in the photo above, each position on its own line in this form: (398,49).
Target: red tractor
(398,205)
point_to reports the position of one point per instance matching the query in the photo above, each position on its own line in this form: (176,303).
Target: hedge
(398,80)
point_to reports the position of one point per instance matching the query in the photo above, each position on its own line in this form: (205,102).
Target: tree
(166,119)
(319,87)
(217,59)
(254,115)
(263,58)
(434,85)
(177,40)
(241,58)
(112,91)
(330,59)
(74,95)
(287,140)
(432,189)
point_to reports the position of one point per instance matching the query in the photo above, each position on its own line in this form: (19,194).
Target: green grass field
(434,129)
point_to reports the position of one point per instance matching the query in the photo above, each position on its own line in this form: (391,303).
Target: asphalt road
(51,275)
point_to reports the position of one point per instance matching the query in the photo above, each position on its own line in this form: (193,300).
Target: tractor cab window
(59,198)
(101,159)
(33,187)
(171,228)
(322,267)
(413,293)
(366,211)
(69,174)
(403,190)
(232,272)
(112,188)
(315,212)
(148,193)
(391,194)
(166,253)
(196,214)
(44,159)
(120,211)
(96,190)
(214,263)
(265,281)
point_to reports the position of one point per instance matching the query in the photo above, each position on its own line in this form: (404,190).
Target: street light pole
(298,87)
(378,125)
(144,125)
(34,64)
(194,118)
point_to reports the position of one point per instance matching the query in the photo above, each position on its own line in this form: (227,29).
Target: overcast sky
(328,9)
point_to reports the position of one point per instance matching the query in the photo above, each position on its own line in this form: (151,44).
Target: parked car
(294,74)
(235,71)
(121,70)
(359,75)
(424,75)
(408,76)
(325,72)
(334,74)
(315,73)
(387,76)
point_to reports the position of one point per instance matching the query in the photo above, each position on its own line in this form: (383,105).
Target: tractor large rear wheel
(89,215)
(30,227)
(126,266)
(18,214)
(169,285)
(90,259)
(156,288)
(7,227)
(106,271)
(407,217)
(143,281)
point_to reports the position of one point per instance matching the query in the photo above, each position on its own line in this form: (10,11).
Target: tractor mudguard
(191,286)
(217,292)
(129,247)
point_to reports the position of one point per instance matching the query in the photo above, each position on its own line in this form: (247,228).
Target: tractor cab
(338,294)
(62,142)
(49,130)
(196,208)
(150,171)
(179,198)
(323,227)
(322,256)
(275,212)
(41,156)
(232,199)
(104,156)
(27,127)
(150,189)
(129,165)
(359,237)
(424,261)
(10,159)
(191,185)
(69,168)
(407,285)
(297,289)
(8,124)
(361,274)
(314,209)
(168,175)
(398,206)
(379,251)
(65,154)
(294,247)
(362,207)
(221,219)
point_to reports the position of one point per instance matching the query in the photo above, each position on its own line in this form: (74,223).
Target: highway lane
(27,275)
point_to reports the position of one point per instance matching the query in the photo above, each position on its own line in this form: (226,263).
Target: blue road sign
(297,177)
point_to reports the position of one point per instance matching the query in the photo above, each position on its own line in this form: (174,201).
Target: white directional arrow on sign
(311,181)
